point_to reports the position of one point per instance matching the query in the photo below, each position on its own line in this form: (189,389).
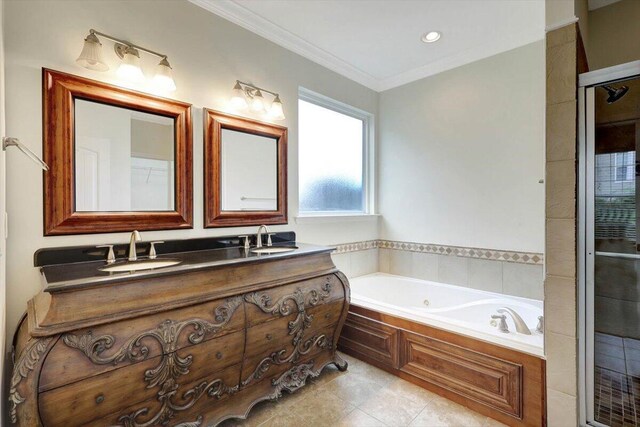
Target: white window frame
(368,159)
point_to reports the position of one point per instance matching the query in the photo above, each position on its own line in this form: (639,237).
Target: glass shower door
(614,291)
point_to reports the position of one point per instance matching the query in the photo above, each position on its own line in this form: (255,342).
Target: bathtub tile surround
(364,396)
(512,273)
(560,281)
(357,263)
(509,272)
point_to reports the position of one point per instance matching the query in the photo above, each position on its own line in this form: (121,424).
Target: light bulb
(130,67)
(238,99)
(91,55)
(276,112)
(163,79)
(257,102)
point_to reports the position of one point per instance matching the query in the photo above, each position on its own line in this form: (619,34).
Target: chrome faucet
(259,237)
(135,237)
(521,327)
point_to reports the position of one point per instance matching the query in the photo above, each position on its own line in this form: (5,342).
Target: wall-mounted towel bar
(15,142)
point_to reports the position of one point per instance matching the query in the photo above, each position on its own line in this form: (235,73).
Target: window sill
(318,219)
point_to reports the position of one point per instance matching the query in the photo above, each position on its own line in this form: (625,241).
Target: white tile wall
(424,266)
(358,263)
(523,280)
(485,275)
(453,270)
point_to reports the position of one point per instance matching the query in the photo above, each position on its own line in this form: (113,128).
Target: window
(334,157)
(625,166)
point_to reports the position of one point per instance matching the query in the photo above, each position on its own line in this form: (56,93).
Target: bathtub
(457,309)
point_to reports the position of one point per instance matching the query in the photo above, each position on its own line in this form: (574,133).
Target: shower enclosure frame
(587,83)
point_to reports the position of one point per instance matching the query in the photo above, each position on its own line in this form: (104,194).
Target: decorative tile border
(356,246)
(479,253)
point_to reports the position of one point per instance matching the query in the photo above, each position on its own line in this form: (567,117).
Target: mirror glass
(249,172)
(124,159)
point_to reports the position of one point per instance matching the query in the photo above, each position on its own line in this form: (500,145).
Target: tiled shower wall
(473,268)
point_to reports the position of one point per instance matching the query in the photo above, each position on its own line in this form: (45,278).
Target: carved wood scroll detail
(171,367)
(196,423)
(293,379)
(22,368)
(297,327)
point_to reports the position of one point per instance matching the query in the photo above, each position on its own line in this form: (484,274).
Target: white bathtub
(454,308)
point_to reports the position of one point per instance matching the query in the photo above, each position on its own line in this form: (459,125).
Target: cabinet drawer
(264,306)
(105,393)
(191,408)
(316,339)
(268,337)
(86,353)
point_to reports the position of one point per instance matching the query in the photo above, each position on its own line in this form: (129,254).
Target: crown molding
(239,15)
(247,19)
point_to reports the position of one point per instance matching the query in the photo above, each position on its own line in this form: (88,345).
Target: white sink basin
(147,264)
(273,249)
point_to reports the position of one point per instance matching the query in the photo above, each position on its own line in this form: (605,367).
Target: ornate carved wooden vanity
(185,346)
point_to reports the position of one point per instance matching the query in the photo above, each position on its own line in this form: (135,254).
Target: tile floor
(617,380)
(616,399)
(364,396)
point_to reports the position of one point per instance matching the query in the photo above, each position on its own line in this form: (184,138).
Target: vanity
(200,340)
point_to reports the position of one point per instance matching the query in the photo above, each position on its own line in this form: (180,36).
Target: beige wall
(614,34)
(582,13)
(461,155)
(559,12)
(207,54)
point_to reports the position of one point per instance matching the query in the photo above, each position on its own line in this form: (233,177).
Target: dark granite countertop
(64,277)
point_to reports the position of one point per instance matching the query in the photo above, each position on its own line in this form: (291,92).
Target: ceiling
(377,42)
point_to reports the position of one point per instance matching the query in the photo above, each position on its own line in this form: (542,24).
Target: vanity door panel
(89,352)
(265,306)
(103,394)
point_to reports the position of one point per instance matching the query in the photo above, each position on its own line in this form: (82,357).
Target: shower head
(615,93)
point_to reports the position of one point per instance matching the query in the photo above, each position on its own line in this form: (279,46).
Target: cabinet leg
(340,363)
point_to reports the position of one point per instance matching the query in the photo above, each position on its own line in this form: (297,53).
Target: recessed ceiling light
(431,36)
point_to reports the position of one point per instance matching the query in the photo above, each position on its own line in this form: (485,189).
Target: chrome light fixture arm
(121,46)
(250,89)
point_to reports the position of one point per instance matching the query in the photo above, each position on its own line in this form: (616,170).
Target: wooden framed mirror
(245,171)
(120,160)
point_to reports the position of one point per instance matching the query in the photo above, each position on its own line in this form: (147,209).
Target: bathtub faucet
(521,327)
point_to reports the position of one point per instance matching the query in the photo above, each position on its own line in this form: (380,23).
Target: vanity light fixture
(238,100)
(130,69)
(257,101)
(431,36)
(276,112)
(91,58)
(247,95)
